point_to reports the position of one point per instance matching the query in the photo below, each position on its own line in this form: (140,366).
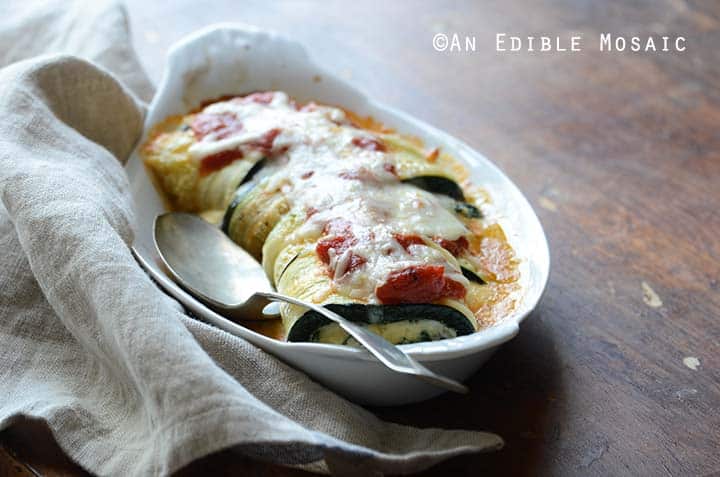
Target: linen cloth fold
(127,382)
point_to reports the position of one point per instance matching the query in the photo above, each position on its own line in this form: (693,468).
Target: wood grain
(620,155)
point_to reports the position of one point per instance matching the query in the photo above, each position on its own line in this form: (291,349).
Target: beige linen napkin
(128,384)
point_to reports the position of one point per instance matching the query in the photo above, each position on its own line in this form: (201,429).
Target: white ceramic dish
(232,58)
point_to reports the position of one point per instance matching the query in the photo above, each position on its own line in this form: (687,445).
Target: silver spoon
(223,276)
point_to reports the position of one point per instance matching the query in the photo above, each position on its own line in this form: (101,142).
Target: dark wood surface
(618,370)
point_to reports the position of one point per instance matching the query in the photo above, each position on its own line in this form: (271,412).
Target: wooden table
(618,370)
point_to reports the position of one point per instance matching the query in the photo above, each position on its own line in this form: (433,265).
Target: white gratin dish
(234,59)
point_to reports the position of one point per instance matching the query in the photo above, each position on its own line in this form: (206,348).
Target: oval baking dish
(235,58)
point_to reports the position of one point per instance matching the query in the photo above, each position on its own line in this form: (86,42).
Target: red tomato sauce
(390,168)
(260,97)
(338,236)
(265,143)
(340,239)
(455,247)
(418,284)
(215,162)
(222,125)
(406,240)
(369,143)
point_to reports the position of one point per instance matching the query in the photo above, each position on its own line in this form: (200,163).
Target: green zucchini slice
(472,276)
(282,272)
(256,208)
(450,188)
(438,185)
(253,171)
(468,210)
(238,197)
(307,326)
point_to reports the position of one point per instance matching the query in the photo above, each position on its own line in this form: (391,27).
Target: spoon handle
(389,354)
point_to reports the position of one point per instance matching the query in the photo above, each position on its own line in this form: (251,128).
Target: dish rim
(480,340)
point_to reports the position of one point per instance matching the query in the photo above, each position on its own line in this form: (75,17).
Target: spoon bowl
(221,275)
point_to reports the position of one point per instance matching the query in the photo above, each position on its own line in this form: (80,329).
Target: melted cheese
(319,168)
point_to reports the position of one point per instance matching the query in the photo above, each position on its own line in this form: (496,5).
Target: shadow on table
(516,394)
